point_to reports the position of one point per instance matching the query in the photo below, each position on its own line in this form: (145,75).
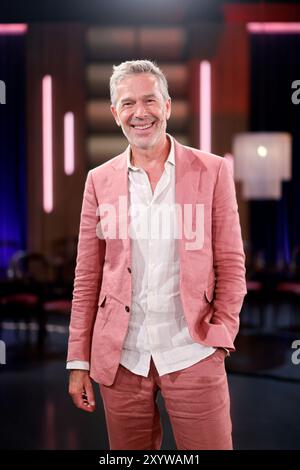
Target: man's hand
(81,390)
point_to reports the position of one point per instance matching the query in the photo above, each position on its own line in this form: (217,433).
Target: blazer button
(129,270)
(127,308)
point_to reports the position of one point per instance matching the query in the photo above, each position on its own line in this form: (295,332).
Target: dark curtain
(275,64)
(12,149)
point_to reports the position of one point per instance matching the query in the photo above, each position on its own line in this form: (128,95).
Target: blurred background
(234,72)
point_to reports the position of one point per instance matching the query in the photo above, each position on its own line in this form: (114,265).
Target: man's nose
(140,110)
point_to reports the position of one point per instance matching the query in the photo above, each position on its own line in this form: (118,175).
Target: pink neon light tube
(274,28)
(18,28)
(69,150)
(47,144)
(205,106)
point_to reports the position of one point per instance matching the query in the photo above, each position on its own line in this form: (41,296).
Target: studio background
(250,89)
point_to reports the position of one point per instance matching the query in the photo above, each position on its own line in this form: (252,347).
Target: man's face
(141,110)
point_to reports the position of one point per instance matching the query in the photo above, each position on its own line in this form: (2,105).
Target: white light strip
(69,147)
(47,144)
(205,106)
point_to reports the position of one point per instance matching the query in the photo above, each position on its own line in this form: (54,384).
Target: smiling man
(154,313)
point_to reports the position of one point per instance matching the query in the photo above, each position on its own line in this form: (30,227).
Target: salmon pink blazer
(212,275)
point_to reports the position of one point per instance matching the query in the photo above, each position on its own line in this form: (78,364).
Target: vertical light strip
(69,146)
(205,106)
(47,144)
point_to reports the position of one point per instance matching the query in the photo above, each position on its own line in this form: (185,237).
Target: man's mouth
(142,127)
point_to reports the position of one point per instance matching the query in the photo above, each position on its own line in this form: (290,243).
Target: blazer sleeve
(88,278)
(228,253)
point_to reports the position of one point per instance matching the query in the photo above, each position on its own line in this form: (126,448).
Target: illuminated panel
(47,144)
(273,28)
(205,106)
(13,28)
(69,150)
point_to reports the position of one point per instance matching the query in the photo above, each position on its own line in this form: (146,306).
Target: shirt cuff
(82,365)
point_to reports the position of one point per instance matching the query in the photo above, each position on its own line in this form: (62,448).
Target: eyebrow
(144,96)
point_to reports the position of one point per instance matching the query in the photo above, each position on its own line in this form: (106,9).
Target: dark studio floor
(37,413)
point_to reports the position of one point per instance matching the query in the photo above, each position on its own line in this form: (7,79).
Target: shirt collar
(170,159)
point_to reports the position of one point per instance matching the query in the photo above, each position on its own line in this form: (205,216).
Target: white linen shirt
(157,325)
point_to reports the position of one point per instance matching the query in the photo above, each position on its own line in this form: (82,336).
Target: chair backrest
(28,267)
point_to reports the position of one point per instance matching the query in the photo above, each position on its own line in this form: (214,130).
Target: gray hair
(131,67)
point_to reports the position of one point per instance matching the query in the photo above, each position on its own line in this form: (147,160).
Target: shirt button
(129,270)
(127,308)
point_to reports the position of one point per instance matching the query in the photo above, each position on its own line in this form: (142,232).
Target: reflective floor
(37,413)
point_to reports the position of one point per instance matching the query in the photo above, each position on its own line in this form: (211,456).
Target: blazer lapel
(119,197)
(187,171)
(187,178)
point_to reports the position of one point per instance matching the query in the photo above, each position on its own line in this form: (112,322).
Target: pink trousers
(196,399)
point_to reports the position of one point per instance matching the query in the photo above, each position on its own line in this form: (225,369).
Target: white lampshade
(262,160)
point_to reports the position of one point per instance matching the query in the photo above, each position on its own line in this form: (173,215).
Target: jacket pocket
(102,300)
(209,292)
(103,312)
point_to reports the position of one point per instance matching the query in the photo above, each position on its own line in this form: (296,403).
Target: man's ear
(168,108)
(115,114)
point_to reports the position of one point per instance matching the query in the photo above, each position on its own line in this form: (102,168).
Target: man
(159,281)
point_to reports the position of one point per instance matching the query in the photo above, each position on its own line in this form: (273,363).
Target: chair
(22,293)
